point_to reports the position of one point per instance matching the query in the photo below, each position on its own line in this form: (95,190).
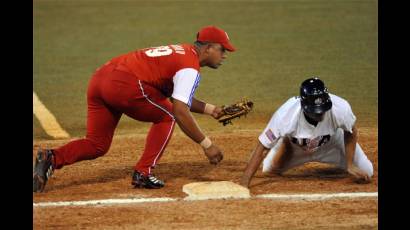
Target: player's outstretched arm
(189,126)
(198,106)
(350,140)
(258,154)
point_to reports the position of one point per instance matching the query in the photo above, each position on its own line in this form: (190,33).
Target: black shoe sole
(38,184)
(143,185)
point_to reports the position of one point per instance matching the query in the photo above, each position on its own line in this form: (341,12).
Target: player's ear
(208,47)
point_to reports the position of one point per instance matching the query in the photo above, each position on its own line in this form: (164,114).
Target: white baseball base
(215,190)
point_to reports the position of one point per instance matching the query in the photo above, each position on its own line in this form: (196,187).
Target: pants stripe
(170,130)
(169,134)
(156,105)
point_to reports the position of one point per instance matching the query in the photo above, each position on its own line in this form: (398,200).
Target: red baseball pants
(110,94)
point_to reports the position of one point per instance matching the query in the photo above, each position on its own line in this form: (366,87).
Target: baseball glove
(241,108)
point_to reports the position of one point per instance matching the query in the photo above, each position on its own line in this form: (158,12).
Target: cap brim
(228,47)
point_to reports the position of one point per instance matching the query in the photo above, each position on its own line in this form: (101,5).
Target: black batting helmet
(314,96)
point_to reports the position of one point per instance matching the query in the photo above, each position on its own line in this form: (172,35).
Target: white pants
(332,152)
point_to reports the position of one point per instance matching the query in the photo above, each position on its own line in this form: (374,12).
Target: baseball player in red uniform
(155,85)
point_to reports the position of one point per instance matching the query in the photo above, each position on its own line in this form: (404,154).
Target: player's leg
(334,153)
(272,162)
(155,108)
(282,157)
(158,136)
(147,104)
(362,162)
(101,123)
(143,103)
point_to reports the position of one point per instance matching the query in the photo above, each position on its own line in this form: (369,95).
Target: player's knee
(269,170)
(361,160)
(101,146)
(166,118)
(367,167)
(101,150)
(266,168)
(370,169)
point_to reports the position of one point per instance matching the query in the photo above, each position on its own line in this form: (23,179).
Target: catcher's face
(216,55)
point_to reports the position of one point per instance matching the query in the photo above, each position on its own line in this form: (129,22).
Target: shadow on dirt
(301,174)
(200,170)
(100,176)
(195,171)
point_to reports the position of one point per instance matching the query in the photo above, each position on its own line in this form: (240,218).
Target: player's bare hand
(214,154)
(217,113)
(358,174)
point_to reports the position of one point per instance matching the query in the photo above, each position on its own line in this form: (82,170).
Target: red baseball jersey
(172,69)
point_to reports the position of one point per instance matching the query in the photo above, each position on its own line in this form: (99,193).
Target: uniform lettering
(311,145)
(178,49)
(159,51)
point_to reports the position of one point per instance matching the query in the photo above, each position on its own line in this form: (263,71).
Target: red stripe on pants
(110,94)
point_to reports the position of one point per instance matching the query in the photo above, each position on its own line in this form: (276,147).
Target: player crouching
(317,126)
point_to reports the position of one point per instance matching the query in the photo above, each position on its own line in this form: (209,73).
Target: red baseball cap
(216,35)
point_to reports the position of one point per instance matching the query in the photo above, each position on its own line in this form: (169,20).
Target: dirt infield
(183,162)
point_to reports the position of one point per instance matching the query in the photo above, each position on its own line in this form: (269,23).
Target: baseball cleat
(43,169)
(150,181)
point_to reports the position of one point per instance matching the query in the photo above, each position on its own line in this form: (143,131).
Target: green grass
(280,43)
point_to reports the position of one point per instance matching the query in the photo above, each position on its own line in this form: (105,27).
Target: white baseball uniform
(323,143)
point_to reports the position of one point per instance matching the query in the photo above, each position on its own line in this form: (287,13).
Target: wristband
(206,143)
(209,108)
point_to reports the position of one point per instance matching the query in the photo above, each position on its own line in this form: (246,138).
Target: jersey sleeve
(185,83)
(341,109)
(267,138)
(349,119)
(281,124)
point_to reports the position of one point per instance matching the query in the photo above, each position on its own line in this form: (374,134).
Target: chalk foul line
(317,196)
(282,197)
(47,119)
(103,202)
